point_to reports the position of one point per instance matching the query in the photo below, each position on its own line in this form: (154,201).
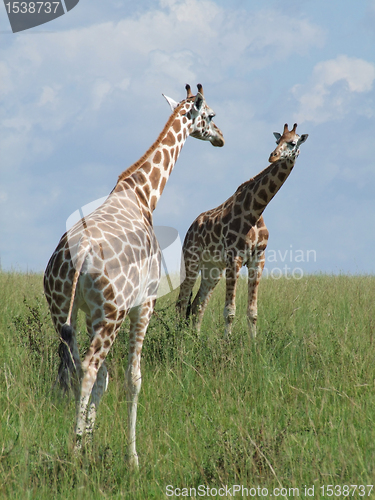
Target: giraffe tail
(69,373)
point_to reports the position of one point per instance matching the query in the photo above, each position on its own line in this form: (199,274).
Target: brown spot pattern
(177,126)
(169,139)
(153,203)
(147,166)
(167,159)
(263,195)
(157,157)
(155,178)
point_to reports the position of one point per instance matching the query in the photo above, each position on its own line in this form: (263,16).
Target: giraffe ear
(173,104)
(302,139)
(277,136)
(198,101)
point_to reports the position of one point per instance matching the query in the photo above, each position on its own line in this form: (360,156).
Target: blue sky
(81,101)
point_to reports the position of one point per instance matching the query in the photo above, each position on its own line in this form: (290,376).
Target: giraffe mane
(133,168)
(253,179)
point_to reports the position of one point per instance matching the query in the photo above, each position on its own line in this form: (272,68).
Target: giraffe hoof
(253,331)
(228,331)
(133,461)
(77,450)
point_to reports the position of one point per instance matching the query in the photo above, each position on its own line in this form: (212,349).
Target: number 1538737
(352,490)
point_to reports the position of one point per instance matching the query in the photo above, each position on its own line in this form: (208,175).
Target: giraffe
(234,235)
(108,265)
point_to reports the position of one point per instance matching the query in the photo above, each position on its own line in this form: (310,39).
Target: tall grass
(295,408)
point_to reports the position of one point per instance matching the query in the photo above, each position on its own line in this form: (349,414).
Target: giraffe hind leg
(94,376)
(232,273)
(98,389)
(183,304)
(191,267)
(97,392)
(210,277)
(255,270)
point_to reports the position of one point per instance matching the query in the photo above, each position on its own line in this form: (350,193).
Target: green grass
(294,408)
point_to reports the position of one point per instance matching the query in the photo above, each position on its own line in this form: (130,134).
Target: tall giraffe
(108,265)
(233,235)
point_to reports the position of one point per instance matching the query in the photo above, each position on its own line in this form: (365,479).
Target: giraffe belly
(213,257)
(150,273)
(219,256)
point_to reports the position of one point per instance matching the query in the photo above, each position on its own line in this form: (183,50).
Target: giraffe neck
(148,176)
(254,195)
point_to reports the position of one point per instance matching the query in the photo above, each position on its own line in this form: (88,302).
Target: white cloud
(332,89)
(72,97)
(48,96)
(100,90)
(358,74)
(189,31)
(3,196)
(56,79)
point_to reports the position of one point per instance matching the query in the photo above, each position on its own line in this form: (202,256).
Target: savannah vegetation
(294,408)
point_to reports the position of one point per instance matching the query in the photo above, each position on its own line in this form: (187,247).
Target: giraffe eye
(210,116)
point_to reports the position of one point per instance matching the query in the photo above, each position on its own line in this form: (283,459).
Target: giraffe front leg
(255,269)
(232,273)
(139,319)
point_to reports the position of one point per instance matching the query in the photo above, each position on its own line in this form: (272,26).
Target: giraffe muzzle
(218,142)
(274,157)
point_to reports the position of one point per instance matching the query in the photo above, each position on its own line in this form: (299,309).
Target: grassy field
(295,409)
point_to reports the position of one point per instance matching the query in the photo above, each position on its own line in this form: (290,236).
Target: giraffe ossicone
(234,235)
(108,265)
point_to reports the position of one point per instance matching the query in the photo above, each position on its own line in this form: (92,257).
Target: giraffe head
(287,144)
(200,115)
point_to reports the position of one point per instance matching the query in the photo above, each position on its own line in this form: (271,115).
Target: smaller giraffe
(234,235)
